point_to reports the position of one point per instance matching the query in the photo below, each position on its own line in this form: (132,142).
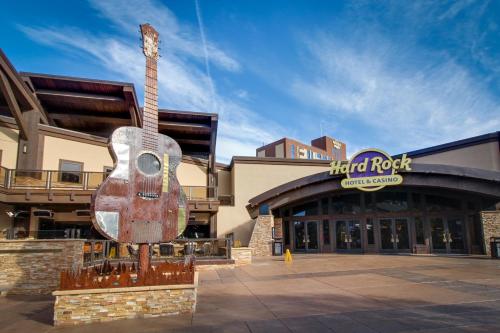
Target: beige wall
(224,182)
(250,180)
(8,144)
(94,158)
(192,174)
(482,156)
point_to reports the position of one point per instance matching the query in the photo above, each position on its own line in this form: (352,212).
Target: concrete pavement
(316,293)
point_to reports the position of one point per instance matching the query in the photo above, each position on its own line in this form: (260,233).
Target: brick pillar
(261,240)
(490,221)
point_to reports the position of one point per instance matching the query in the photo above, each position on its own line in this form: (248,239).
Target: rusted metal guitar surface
(141,201)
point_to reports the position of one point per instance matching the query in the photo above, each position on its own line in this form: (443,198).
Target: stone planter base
(75,307)
(241,255)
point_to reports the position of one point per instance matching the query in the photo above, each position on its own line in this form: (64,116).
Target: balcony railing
(74,180)
(98,251)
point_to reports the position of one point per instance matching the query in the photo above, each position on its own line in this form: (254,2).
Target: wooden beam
(133,107)
(58,93)
(193,142)
(11,72)
(182,125)
(13,106)
(87,117)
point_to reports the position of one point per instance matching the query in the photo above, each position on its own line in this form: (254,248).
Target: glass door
(348,235)
(447,235)
(299,231)
(306,236)
(312,243)
(456,241)
(394,235)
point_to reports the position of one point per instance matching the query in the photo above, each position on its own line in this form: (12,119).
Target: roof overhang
(476,181)
(90,106)
(16,97)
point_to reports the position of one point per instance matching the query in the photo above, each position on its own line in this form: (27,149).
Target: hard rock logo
(371,170)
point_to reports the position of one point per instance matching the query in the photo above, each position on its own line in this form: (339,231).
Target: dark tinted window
(391,201)
(348,203)
(419,230)
(324,206)
(310,208)
(326,232)
(438,203)
(369,231)
(286,232)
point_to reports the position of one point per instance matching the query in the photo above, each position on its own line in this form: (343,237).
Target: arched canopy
(474,181)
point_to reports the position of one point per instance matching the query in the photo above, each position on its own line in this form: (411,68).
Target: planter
(75,307)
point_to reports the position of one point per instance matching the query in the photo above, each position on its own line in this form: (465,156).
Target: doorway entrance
(447,235)
(394,235)
(348,236)
(306,236)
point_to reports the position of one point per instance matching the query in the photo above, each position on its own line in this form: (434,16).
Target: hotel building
(54,154)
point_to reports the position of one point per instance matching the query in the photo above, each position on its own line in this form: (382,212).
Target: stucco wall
(250,180)
(483,156)
(94,158)
(192,174)
(8,144)
(224,182)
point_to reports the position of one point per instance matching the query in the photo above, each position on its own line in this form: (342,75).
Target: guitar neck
(150,112)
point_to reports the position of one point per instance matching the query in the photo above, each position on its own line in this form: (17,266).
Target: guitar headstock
(149,41)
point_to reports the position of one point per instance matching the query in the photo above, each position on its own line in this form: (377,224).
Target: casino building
(447,202)
(53,155)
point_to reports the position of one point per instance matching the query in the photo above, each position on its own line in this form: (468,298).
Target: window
(286,231)
(391,201)
(419,230)
(70,171)
(369,231)
(347,204)
(326,232)
(307,209)
(107,171)
(439,203)
(324,206)
(318,156)
(292,151)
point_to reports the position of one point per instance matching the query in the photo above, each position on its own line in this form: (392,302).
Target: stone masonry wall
(34,266)
(77,307)
(491,227)
(241,255)
(261,240)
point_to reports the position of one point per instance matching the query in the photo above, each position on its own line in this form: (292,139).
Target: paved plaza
(316,293)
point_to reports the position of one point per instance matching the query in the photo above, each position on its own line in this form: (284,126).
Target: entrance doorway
(306,236)
(348,235)
(447,235)
(394,235)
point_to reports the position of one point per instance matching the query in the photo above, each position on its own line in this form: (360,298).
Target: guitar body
(141,201)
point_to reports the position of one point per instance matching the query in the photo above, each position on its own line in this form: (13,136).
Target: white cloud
(182,84)
(408,102)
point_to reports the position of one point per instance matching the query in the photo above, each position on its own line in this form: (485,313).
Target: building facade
(54,154)
(439,207)
(323,148)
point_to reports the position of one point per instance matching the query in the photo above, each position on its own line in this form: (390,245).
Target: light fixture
(10,214)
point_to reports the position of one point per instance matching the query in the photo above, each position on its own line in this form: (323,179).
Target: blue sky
(396,75)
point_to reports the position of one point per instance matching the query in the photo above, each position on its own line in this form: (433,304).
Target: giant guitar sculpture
(141,201)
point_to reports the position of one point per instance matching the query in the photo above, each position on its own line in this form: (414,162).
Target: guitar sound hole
(149,164)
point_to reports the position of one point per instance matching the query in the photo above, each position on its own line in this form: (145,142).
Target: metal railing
(20,233)
(97,251)
(77,180)
(50,179)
